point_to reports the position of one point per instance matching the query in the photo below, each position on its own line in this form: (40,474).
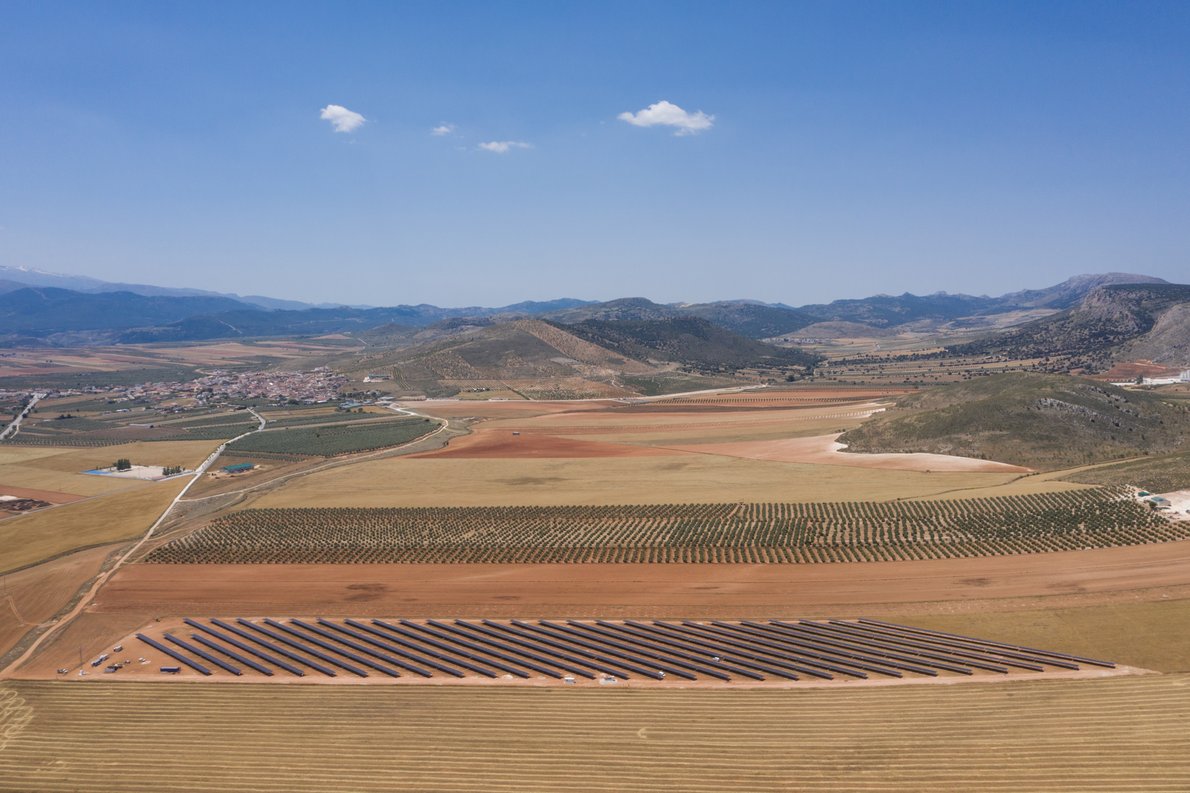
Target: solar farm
(573,652)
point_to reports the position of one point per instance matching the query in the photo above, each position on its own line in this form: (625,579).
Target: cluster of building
(315,386)
(1182,377)
(312,387)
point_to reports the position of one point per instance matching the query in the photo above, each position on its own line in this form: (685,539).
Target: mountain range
(55,310)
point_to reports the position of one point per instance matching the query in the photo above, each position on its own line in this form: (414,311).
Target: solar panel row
(687,649)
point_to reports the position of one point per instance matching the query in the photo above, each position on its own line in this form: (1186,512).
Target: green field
(335,439)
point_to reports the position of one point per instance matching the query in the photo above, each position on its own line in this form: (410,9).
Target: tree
(123,464)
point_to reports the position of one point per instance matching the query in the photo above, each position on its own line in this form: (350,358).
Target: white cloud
(504,146)
(667,114)
(444,128)
(342,119)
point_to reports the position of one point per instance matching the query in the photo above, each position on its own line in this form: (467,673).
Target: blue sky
(845,149)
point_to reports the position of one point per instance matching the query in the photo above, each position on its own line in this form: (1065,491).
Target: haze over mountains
(55,310)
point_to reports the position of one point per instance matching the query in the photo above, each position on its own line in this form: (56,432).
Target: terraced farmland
(1117,735)
(334,439)
(678,533)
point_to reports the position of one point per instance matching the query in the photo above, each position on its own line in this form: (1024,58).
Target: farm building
(238,468)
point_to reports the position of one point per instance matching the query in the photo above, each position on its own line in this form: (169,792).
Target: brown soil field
(1130,370)
(503,443)
(1117,735)
(33,595)
(593,590)
(52,496)
(824,450)
(456,408)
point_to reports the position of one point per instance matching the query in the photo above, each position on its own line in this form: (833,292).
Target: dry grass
(61,468)
(36,594)
(1123,734)
(1150,635)
(694,478)
(31,538)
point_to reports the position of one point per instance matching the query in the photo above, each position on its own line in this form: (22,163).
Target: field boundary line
(103,577)
(349,459)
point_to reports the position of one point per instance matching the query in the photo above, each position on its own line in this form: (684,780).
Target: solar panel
(276,649)
(219,662)
(363,649)
(1030,650)
(156,645)
(332,648)
(246,648)
(751,651)
(392,644)
(676,657)
(447,653)
(248,662)
(302,646)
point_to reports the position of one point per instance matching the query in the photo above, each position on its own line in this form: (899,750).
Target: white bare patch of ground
(826,450)
(1179,503)
(149,472)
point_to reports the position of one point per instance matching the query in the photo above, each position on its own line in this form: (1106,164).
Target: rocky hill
(1041,421)
(689,341)
(1110,323)
(554,361)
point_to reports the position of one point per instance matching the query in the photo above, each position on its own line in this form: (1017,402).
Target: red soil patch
(452,408)
(1130,370)
(52,496)
(643,590)
(495,443)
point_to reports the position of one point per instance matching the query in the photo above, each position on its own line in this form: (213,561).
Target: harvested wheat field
(48,533)
(1119,735)
(62,468)
(689,477)
(33,595)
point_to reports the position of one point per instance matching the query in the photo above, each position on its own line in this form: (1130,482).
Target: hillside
(751,319)
(1041,421)
(689,341)
(1111,322)
(96,312)
(47,310)
(539,356)
(885,311)
(1071,291)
